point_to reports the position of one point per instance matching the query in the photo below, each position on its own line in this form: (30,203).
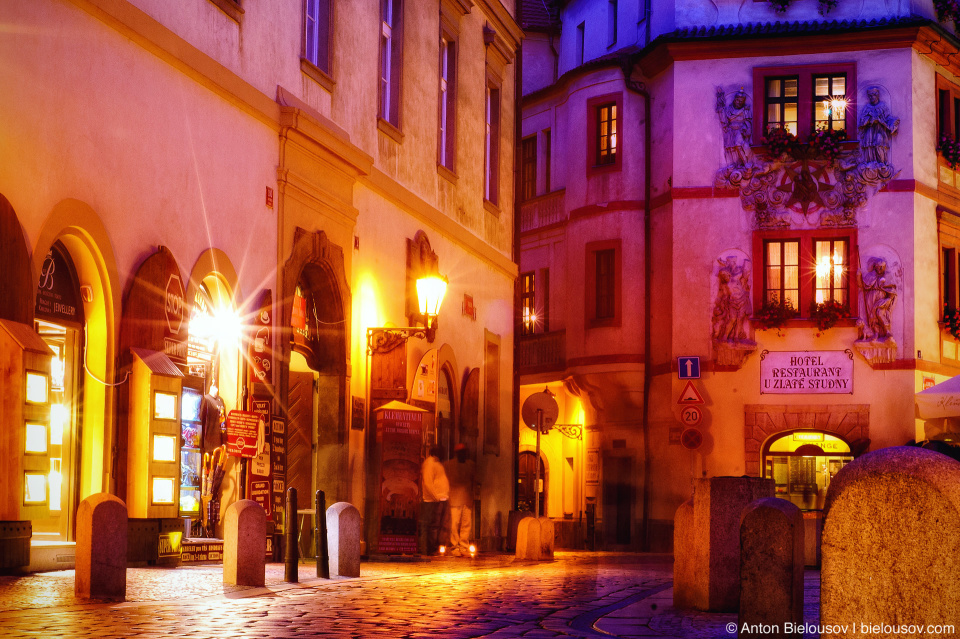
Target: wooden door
(300,445)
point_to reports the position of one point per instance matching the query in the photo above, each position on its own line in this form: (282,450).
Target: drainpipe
(517,135)
(626,65)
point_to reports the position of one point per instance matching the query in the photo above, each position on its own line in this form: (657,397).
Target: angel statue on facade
(879,296)
(733,301)
(737,124)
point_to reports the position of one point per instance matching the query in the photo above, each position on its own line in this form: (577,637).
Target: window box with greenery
(951,321)
(773,315)
(826,314)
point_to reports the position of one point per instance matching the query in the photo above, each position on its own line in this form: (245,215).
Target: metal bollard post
(323,558)
(291,552)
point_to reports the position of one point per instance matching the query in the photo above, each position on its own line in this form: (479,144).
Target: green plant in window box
(951,321)
(774,314)
(826,143)
(827,314)
(780,142)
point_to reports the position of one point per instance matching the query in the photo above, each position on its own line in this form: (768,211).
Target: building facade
(736,247)
(232,193)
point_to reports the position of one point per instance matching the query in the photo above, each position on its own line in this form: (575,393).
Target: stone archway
(762,421)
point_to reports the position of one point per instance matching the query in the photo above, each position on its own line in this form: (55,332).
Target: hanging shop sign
(806,372)
(402,428)
(58,298)
(242,432)
(261,340)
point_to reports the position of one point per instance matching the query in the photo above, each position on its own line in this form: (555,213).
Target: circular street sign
(691,438)
(540,402)
(691,416)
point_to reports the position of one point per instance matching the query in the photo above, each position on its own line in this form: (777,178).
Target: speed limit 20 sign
(691,416)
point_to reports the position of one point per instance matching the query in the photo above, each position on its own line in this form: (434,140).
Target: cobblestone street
(577,595)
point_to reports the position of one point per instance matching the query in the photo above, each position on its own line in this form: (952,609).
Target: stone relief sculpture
(736,121)
(808,185)
(731,309)
(876,127)
(878,296)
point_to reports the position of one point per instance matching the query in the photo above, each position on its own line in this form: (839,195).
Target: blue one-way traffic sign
(688,367)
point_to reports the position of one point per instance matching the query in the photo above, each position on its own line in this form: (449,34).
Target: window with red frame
(805,99)
(606,149)
(804,268)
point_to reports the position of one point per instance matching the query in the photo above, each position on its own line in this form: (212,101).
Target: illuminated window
(34,488)
(58,417)
(804,99)
(831,271)
(528,311)
(163,490)
(164,448)
(164,405)
(781,265)
(606,134)
(38,388)
(56,482)
(36,438)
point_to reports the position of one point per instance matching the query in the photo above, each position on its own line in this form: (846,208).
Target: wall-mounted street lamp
(430,292)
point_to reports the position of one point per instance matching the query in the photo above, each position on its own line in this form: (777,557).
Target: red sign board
(242,431)
(402,428)
(691,439)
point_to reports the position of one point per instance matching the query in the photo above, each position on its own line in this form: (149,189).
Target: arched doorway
(802,463)
(527,479)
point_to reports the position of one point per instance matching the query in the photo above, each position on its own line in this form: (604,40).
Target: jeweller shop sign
(811,372)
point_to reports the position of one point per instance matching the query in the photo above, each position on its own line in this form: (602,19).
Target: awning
(940,400)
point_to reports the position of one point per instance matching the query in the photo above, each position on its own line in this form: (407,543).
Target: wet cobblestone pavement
(577,595)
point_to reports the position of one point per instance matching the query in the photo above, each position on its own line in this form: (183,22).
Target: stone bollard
(343,539)
(714,546)
(891,545)
(547,538)
(684,563)
(245,544)
(771,568)
(528,539)
(101,563)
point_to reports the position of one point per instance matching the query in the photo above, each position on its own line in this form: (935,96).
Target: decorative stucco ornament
(878,296)
(731,309)
(804,187)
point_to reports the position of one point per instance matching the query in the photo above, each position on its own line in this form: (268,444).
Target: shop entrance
(527,479)
(802,463)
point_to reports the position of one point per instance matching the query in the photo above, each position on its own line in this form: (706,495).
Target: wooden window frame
(593,131)
(590,284)
(528,168)
(528,303)
(547,151)
(807,276)
(491,153)
(805,89)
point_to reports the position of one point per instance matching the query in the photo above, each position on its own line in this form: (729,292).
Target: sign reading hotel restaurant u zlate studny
(785,372)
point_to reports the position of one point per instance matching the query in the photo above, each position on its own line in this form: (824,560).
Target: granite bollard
(547,538)
(715,541)
(771,568)
(245,544)
(891,546)
(343,539)
(101,553)
(528,539)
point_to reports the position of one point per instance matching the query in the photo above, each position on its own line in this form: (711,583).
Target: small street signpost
(688,367)
(539,412)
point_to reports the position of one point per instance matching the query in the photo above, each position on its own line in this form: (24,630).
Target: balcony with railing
(543,211)
(542,352)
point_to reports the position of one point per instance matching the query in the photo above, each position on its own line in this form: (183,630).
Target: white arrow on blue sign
(688,367)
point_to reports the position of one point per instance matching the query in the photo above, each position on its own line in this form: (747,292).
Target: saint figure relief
(879,295)
(876,127)
(733,300)
(736,122)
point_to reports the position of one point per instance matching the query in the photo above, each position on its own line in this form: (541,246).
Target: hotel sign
(806,372)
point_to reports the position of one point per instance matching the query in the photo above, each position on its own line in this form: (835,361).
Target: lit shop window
(56,482)
(164,405)
(38,388)
(36,439)
(58,417)
(34,488)
(164,448)
(163,490)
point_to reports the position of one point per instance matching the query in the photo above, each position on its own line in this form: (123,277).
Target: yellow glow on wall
(56,481)
(367,313)
(164,405)
(58,417)
(34,488)
(36,438)
(38,388)
(164,448)
(163,490)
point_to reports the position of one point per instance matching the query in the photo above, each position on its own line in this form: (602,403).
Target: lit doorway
(802,464)
(527,479)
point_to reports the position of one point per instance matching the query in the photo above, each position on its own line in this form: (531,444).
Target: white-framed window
(391,29)
(316,33)
(448,102)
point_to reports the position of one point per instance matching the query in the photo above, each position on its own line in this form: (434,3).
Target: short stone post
(771,569)
(684,561)
(101,563)
(245,544)
(528,539)
(343,539)
(891,545)
(714,546)
(547,539)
